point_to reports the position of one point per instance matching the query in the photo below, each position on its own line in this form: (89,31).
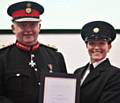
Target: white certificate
(59,89)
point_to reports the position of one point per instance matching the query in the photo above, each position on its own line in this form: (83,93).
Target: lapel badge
(28,9)
(96,30)
(50,66)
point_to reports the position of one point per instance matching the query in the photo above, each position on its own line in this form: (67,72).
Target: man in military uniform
(22,63)
(100,81)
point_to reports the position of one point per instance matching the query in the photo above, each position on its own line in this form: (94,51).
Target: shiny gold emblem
(28,9)
(96,30)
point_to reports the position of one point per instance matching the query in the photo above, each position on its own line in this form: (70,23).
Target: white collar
(97,63)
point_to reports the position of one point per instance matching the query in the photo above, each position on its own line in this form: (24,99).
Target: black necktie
(91,67)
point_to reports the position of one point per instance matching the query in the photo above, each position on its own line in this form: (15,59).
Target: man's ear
(13,28)
(39,27)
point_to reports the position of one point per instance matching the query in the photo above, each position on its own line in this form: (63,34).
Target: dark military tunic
(20,71)
(102,85)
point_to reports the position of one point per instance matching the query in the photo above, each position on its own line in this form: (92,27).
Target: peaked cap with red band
(25,11)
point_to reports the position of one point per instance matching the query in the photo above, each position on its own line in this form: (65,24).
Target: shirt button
(36,69)
(38,83)
(18,74)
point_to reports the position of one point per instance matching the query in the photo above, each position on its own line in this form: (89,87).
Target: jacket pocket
(17,80)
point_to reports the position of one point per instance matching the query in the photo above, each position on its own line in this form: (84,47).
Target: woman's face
(97,49)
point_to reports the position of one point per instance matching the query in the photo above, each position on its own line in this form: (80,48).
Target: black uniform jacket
(102,85)
(19,81)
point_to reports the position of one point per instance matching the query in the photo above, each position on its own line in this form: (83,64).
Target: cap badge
(96,30)
(28,9)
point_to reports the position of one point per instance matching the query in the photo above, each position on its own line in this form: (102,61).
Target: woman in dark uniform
(100,80)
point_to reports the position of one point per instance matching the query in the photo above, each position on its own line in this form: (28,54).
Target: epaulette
(53,47)
(5,46)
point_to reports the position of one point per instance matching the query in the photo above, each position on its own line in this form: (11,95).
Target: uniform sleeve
(61,63)
(111,92)
(3,99)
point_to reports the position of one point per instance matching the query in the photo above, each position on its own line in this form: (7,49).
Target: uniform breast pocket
(17,81)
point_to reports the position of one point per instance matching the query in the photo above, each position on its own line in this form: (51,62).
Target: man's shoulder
(5,47)
(49,47)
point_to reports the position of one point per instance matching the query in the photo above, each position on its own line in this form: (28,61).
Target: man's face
(26,32)
(97,49)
